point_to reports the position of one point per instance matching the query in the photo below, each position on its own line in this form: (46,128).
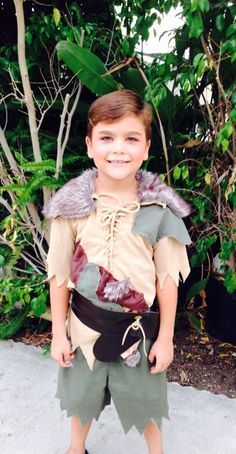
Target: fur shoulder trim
(75,198)
(152,189)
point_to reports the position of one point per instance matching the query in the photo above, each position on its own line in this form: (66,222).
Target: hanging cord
(135,326)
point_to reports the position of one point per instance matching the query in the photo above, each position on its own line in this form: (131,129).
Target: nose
(118,146)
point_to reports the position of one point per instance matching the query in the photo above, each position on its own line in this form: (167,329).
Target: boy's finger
(66,359)
(159,367)
(151,357)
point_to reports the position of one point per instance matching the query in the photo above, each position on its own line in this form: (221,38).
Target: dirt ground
(203,362)
(200,360)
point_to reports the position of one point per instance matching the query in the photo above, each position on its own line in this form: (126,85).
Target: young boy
(117,241)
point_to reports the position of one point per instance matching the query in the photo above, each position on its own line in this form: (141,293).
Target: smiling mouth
(116,161)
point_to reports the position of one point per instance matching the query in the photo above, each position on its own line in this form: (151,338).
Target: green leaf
(197,59)
(47,164)
(134,81)
(56,16)
(17,188)
(233,57)
(233,98)
(224,144)
(2,260)
(230,281)
(10,327)
(225,47)
(201,68)
(186,86)
(232,115)
(231,30)
(162,69)
(194,260)
(28,37)
(27,298)
(204,5)
(89,69)
(228,130)
(196,27)
(195,321)
(194,5)
(126,47)
(38,306)
(177,173)
(196,289)
(185,173)
(20,158)
(220,22)
(208,178)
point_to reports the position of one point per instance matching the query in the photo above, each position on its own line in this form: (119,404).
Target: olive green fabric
(138,395)
(154,222)
(87,285)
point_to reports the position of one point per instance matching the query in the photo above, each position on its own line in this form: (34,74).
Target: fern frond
(42,166)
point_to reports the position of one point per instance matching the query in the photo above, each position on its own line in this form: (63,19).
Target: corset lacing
(110,217)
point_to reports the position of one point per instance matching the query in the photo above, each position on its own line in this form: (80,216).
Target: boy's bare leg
(153,438)
(78,436)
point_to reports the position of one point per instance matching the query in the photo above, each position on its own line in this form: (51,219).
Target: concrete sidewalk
(31,421)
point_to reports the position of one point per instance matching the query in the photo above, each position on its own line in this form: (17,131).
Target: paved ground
(32,423)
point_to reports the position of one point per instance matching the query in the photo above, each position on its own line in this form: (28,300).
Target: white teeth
(118,162)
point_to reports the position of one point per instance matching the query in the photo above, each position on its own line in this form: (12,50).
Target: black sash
(119,330)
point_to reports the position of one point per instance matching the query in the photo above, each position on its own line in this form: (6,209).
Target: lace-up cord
(110,217)
(135,326)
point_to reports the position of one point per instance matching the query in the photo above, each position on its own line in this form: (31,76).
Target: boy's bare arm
(60,348)
(162,350)
(59,299)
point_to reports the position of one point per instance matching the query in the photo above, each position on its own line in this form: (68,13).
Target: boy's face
(118,148)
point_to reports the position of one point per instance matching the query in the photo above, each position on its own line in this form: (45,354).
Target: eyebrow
(128,133)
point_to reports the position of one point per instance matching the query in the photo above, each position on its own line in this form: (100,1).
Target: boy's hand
(161,355)
(61,351)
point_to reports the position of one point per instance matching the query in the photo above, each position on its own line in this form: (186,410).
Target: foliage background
(191,88)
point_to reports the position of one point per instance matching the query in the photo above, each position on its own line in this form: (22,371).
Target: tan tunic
(108,241)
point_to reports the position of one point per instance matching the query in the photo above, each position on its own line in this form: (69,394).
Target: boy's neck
(125,189)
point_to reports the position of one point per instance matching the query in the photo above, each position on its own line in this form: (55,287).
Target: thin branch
(210,114)
(215,65)
(31,264)
(70,116)
(219,209)
(28,98)
(110,43)
(7,243)
(163,137)
(62,145)
(6,205)
(6,114)
(221,178)
(6,149)
(17,93)
(60,134)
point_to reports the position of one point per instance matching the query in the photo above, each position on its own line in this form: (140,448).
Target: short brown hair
(118,104)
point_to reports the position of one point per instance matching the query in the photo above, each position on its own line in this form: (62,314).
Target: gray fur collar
(75,198)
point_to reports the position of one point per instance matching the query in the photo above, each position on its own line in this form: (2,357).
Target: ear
(146,151)
(89,147)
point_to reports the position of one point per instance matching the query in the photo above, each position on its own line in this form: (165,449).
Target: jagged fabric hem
(140,427)
(138,395)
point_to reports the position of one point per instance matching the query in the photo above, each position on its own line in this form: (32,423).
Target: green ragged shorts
(138,395)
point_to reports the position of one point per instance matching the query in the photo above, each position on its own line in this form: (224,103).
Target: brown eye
(132,139)
(106,138)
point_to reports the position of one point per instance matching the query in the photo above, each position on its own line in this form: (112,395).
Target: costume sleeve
(170,258)
(61,248)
